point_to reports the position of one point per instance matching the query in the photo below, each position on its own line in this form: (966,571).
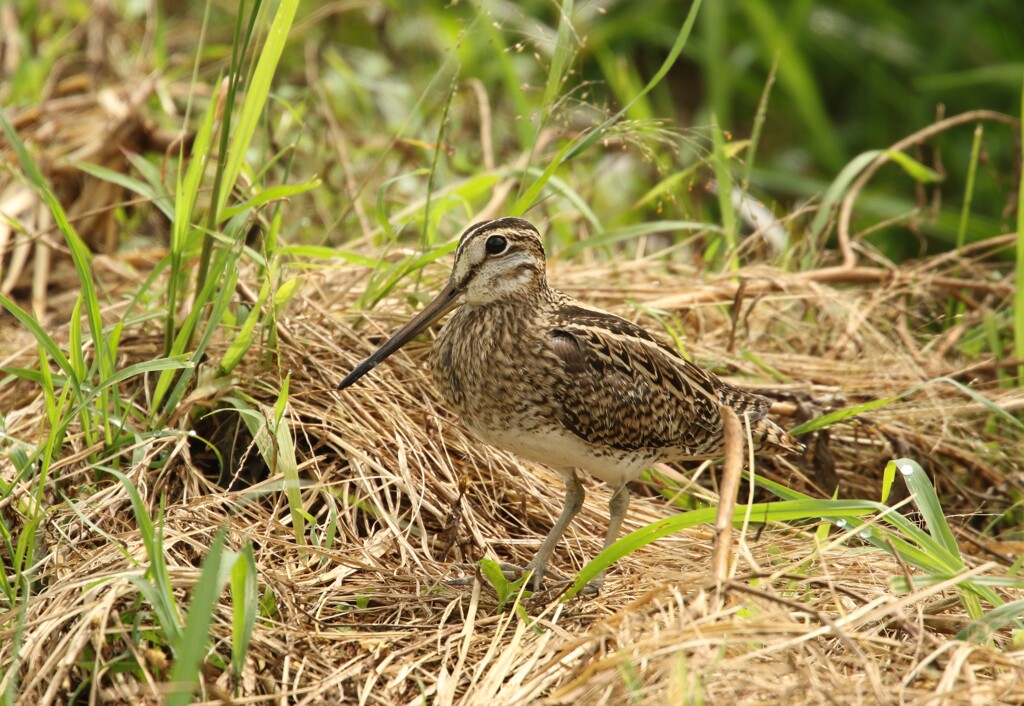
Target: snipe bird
(533,371)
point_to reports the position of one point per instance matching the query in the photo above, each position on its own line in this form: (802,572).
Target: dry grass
(369,615)
(372,618)
(77,122)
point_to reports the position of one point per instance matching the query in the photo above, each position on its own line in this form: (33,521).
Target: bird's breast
(490,369)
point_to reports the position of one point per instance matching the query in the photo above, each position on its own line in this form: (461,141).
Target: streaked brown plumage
(531,370)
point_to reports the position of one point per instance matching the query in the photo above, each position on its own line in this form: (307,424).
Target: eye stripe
(507,224)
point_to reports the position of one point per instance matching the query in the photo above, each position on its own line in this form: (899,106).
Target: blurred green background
(368,88)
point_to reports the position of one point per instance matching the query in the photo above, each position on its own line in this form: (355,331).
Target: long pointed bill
(441,305)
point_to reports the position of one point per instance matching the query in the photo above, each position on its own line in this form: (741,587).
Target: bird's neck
(512,314)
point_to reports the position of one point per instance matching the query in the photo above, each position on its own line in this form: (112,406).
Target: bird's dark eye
(496,245)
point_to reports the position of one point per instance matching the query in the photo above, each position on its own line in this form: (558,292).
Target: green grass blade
(9,678)
(75,351)
(125,181)
(921,551)
(759,120)
(843,414)
(280,192)
(174,362)
(914,169)
(856,410)
(81,258)
(244,607)
(783,511)
(838,188)
(530,196)
(381,212)
(256,96)
(928,503)
(53,351)
(996,619)
(161,595)
(900,583)
(161,197)
(562,55)
(677,47)
(888,478)
(243,340)
(193,642)
(972,173)
(287,464)
(976,396)
(426,237)
(189,182)
(277,448)
(166,398)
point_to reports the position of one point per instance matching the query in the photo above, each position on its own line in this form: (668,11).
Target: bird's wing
(622,388)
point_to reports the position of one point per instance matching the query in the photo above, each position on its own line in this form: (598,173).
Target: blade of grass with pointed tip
(924,580)
(669,186)
(928,554)
(243,339)
(158,589)
(914,169)
(53,351)
(843,414)
(166,398)
(244,607)
(770,512)
(256,95)
(277,448)
(187,186)
(268,195)
(976,396)
(193,642)
(983,628)
(928,503)
(81,257)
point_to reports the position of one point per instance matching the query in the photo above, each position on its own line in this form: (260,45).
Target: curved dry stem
(926,133)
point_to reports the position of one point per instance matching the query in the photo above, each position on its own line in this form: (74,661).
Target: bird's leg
(574,495)
(617,507)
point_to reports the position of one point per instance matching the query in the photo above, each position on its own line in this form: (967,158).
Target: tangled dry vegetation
(403,496)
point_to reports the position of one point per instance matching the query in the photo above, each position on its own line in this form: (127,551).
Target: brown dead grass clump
(402,495)
(87,114)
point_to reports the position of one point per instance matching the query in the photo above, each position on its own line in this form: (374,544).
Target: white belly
(562,450)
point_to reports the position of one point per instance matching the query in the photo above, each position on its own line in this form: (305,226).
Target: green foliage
(932,549)
(188,642)
(506,590)
(854,411)
(273,438)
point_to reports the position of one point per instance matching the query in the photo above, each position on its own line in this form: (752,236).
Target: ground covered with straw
(191,512)
(402,500)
